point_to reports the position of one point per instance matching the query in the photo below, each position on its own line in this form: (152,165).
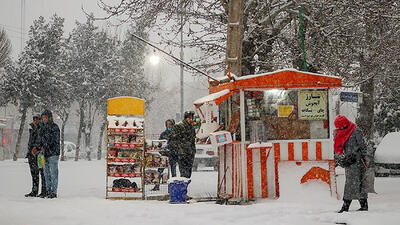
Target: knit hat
(47,113)
(189,114)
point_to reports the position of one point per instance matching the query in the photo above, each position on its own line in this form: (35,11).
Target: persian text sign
(313,105)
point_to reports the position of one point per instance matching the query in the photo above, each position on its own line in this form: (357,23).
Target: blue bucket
(177,191)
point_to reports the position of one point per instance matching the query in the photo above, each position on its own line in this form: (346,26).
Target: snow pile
(292,190)
(181,179)
(260,145)
(388,150)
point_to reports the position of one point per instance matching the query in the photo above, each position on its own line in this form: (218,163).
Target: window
(286,115)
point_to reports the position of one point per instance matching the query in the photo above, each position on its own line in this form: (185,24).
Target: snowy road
(81,201)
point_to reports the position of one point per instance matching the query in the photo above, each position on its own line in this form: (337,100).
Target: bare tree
(5,48)
(205,26)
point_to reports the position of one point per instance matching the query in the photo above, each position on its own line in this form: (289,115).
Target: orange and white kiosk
(276,117)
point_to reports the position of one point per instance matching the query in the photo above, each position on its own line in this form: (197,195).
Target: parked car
(206,158)
(69,150)
(387,156)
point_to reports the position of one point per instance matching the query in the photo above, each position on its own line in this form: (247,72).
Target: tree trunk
(365,118)
(88,147)
(20,132)
(78,144)
(64,122)
(103,126)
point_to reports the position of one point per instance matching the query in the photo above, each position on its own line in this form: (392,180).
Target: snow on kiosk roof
(280,79)
(217,97)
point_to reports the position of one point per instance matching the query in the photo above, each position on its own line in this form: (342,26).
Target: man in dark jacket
(32,160)
(49,143)
(183,141)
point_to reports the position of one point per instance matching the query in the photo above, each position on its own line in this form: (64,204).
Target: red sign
(124,175)
(124,189)
(122,159)
(127,145)
(125,130)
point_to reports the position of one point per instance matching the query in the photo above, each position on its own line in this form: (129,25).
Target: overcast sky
(10,20)
(10,15)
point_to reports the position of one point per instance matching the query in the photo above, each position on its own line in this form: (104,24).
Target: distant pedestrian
(183,141)
(351,153)
(49,144)
(32,159)
(166,135)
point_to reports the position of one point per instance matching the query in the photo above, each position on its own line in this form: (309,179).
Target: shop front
(282,116)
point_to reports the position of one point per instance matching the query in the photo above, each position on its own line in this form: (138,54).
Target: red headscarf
(344,128)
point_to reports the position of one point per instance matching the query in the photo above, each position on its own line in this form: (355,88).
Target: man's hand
(34,149)
(367,164)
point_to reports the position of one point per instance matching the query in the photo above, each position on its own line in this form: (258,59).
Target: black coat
(183,138)
(33,138)
(165,135)
(49,139)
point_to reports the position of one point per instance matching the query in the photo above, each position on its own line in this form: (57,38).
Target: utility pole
(22,23)
(181,57)
(302,40)
(234,37)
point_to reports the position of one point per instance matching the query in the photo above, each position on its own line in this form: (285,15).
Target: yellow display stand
(125,147)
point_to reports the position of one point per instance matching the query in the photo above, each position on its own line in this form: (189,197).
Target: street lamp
(154,59)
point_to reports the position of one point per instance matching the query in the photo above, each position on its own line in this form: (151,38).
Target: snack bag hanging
(40,160)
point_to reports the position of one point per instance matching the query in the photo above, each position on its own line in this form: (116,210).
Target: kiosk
(282,116)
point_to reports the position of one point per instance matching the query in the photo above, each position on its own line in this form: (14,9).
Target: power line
(11,27)
(176,59)
(12,30)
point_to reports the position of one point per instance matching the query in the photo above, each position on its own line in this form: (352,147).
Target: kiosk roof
(281,79)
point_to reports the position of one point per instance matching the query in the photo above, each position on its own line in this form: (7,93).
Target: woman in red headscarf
(351,153)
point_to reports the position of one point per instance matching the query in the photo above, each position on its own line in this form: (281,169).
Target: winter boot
(363,204)
(345,207)
(32,194)
(43,194)
(52,195)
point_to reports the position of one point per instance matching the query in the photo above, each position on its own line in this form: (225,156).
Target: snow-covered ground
(81,201)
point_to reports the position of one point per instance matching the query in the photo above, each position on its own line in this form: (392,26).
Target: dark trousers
(173,159)
(33,165)
(185,162)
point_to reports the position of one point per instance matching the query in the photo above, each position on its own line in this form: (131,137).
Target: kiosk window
(286,115)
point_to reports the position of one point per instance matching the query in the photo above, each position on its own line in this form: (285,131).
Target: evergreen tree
(5,48)
(83,69)
(32,82)
(124,73)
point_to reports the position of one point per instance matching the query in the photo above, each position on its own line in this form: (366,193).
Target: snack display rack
(134,169)
(156,170)
(125,148)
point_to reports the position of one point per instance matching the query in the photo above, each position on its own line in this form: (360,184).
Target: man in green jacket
(183,141)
